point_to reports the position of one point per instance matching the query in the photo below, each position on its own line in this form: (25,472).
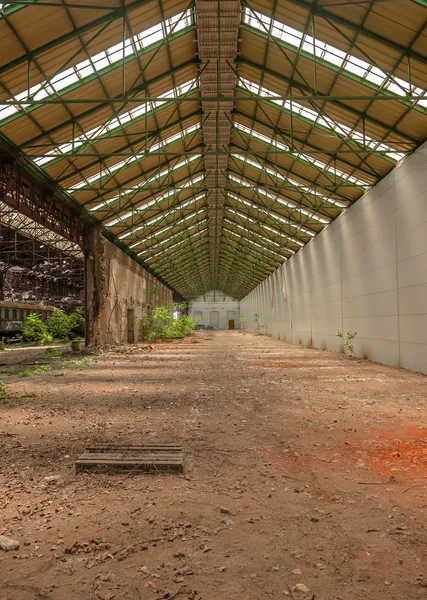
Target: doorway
(214,318)
(131,326)
(231,318)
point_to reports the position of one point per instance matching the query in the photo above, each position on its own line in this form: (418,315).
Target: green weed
(23,395)
(39,370)
(52,352)
(4,396)
(82,362)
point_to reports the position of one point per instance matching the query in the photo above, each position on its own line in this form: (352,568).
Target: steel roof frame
(247,249)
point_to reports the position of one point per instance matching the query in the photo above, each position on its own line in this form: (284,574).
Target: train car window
(2,314)
(14,314)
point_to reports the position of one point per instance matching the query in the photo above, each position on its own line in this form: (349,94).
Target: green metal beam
(383,93)
(319,10)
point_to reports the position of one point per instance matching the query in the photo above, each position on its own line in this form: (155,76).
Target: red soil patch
(396,451)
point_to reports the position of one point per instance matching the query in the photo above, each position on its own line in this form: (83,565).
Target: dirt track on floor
(305,477)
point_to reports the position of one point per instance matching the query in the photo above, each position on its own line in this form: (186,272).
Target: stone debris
(8,543)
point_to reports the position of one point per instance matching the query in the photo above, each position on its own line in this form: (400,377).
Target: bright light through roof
(166,229)
(134,189)
(177,208)
(320,119)
(274,173)
(94,134)
(317,163)
(129,161)
(257,234)
(249,241)
(275,198)
(264,226)
(144,207)
(112,56)
(332,55)
(190,228)
(275,217)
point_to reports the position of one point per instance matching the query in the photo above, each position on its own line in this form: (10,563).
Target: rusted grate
(147,458)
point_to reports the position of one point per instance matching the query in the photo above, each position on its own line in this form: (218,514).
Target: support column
(96,287)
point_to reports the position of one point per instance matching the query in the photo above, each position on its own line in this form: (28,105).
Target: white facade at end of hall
(215,309)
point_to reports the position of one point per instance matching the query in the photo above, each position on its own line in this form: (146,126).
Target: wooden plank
(117,456)
(140,466)
(147,458)
(142,448)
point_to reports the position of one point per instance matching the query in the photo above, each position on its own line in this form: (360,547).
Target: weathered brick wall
(117,285)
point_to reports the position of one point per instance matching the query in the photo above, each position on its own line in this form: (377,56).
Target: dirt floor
(305,476)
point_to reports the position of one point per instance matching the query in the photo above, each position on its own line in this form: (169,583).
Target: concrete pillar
(96,282)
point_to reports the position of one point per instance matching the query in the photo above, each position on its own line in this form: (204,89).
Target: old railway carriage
(13,315)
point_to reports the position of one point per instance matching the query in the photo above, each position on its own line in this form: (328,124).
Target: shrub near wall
(161,323)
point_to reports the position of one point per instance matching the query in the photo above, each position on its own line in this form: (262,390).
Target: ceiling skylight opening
(263,138)
(177,208)
(323,51)
(135,189)
(277,199)
(274,173)
(265,211)
(320,119)
(129,161)
(264,226)
(259,236)
(144,207)
(166,229)
(96,63)
(191,237)
(94,134)
(249,241)
(251,132)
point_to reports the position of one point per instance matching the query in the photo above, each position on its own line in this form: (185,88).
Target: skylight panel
(249,241)
(265,226)
(129,161)
(274,173)
(133,190)
(156,200)
(168,227)
(316,117)
(163,242)
(178,207)
(258,235)
(96,63)
(263,210)
(275,198)
(321,165)
(95,133)
(328,53)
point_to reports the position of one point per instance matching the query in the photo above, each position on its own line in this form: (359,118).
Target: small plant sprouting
(82,362)
(258,326)
(4,396)
(349,336)
(39,370)
(23,395)
(242,320)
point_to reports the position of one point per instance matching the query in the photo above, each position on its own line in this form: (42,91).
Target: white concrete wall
(203,306)
(366,272)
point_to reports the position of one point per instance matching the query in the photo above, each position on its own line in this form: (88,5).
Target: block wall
(366,272)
